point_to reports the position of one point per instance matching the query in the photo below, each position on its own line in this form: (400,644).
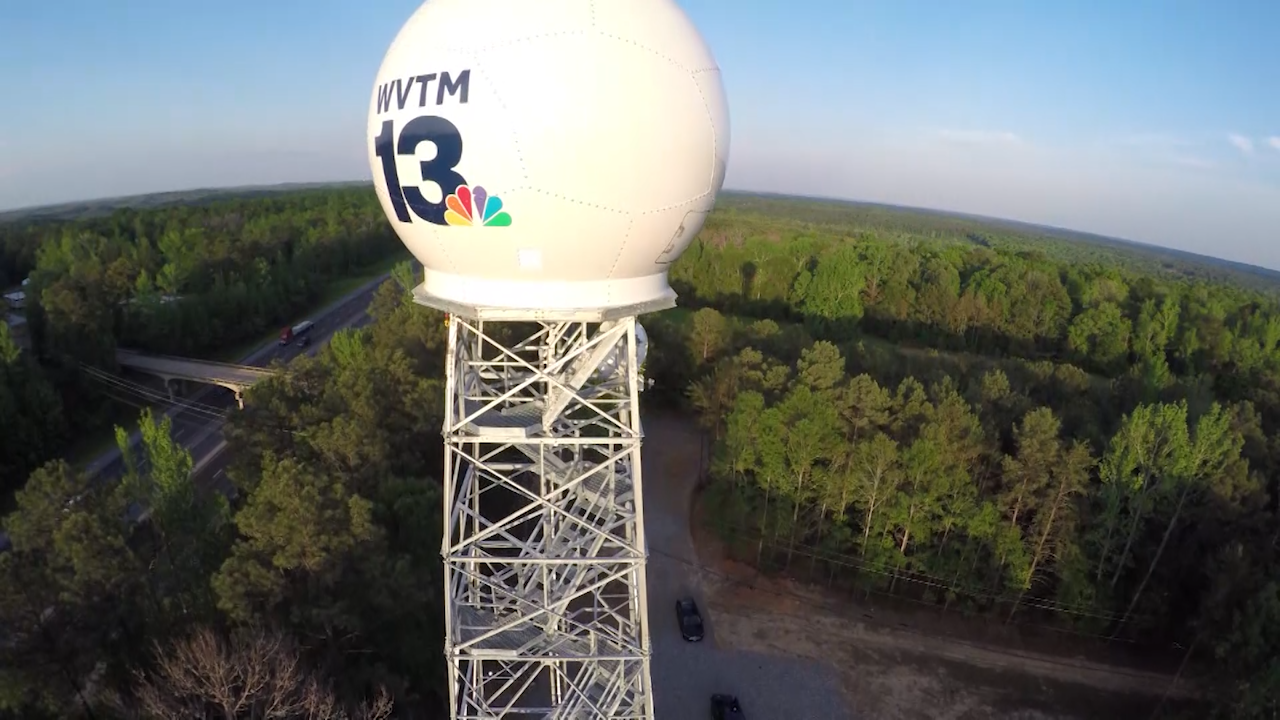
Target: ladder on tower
(580,369)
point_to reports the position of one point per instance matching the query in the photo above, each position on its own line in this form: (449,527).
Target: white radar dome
(557,154)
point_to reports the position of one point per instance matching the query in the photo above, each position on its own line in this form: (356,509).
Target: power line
(926,579)
(833,607)
(1005,599)
(148,392)
(152,396)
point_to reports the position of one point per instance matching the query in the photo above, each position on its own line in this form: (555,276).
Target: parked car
(726,707)
(689,618)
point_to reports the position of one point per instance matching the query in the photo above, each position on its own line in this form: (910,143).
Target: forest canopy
(1037,429)
(1024,429)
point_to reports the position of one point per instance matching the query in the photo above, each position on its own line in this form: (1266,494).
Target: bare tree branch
(256,675)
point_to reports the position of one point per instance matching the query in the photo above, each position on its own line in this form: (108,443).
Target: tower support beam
(544,549)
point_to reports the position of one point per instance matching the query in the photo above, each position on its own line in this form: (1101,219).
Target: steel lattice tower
(544,549)
(546,168)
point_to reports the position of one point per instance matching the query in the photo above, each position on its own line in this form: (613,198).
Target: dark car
(304,341)
(726,707)
(689,618)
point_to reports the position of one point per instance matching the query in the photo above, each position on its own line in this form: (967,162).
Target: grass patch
(340,287)
(96,441)
(679,316)
(332,292)
(236,353)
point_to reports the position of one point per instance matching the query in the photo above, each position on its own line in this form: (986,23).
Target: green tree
(874,475)
(64,594)
(1213,446)
(1101,334)
(299,528)
(1248,660)
(810,440)
(1143,458)
(189,528)
(708,335)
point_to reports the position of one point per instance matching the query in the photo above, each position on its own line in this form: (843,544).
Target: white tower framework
(544,549)
(546,163)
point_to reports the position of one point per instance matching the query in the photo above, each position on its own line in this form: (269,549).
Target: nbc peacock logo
(469,207)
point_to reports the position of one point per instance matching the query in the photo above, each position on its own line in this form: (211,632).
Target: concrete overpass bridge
(236,378)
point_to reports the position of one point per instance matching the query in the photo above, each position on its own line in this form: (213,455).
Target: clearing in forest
(890,666)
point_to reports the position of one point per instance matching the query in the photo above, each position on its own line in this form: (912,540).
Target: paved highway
(198,426)
(200,431)
(207,444)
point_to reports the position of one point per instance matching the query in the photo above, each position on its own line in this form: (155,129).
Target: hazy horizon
(1144,122)
(744,191)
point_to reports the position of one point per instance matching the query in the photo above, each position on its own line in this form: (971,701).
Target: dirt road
(824,644)
(771,686)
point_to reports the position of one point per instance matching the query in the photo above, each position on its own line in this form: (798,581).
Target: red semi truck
(288,333)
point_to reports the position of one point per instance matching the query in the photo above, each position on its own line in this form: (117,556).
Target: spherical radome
(557,154)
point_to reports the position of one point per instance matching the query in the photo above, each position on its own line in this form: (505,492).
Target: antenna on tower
(546,169)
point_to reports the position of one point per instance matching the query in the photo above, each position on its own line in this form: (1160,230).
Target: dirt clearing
(896,674)
(885,669)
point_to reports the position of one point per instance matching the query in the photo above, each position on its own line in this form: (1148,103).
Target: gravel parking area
(685,675)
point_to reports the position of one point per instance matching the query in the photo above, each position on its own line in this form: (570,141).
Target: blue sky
(1153,120)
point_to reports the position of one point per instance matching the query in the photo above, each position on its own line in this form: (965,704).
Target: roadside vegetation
(318,592)
(190,280)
